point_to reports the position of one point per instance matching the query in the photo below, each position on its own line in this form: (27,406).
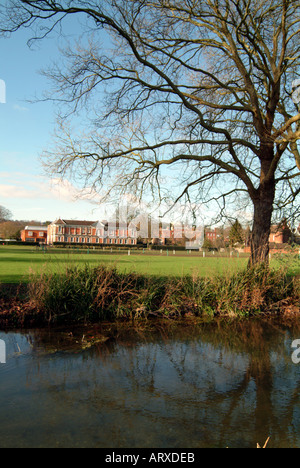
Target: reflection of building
(36,234)
(91,232)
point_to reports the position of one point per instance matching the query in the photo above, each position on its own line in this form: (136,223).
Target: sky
(26,129)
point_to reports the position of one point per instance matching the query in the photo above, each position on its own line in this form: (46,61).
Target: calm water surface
(206,385)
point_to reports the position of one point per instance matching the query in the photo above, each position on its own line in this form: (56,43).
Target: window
(41,234)
(30,233)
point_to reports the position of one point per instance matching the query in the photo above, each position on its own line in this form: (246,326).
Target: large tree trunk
(263,209)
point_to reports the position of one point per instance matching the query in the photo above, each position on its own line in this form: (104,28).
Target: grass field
(18,263)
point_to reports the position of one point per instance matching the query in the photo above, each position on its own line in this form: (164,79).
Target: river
(220,384)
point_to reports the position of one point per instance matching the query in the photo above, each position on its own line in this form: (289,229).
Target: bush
(103,293)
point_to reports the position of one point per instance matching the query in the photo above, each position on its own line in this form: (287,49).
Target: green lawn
(16,263)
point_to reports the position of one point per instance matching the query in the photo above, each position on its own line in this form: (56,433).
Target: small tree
(207,244)
(236,235)
(5,214)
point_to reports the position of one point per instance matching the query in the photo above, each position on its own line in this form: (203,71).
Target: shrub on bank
(103,293)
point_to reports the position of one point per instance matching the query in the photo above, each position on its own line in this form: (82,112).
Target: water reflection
(203,385)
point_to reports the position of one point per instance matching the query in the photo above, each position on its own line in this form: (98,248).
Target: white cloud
(35,197)
(20,108)
(15,191)
(61,190)
(27,186)
(65,190)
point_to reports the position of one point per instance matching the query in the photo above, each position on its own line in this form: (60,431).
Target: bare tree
(195,92)
(5,214)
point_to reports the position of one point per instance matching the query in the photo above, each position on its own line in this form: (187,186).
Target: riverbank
(93,295)
(16,308)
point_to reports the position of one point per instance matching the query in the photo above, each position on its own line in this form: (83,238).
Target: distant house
(280,234)
(211,234)
(37,234)
(90,232)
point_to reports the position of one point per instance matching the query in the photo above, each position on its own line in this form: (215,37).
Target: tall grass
(103,293)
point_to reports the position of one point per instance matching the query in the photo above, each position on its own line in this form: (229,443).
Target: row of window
(83,231)
(89,240)
(100,233)
(30,234)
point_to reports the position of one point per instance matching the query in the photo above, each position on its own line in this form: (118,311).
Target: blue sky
(26,129)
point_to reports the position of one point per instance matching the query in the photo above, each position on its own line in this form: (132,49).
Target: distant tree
(207,244)
(236,235)
(11,229)
(5,214)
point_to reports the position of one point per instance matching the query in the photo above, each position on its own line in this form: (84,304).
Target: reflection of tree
(257,343)
(203,385)
(141,368)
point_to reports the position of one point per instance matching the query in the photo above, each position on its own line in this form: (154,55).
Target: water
(204,385)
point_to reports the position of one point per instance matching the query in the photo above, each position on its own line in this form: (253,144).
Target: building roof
(75,222)
(36,228)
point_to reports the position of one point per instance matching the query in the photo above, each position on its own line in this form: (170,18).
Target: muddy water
(171,386)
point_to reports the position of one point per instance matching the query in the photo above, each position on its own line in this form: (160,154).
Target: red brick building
(211,234)
(90,232)
(280,234)
(37,234)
